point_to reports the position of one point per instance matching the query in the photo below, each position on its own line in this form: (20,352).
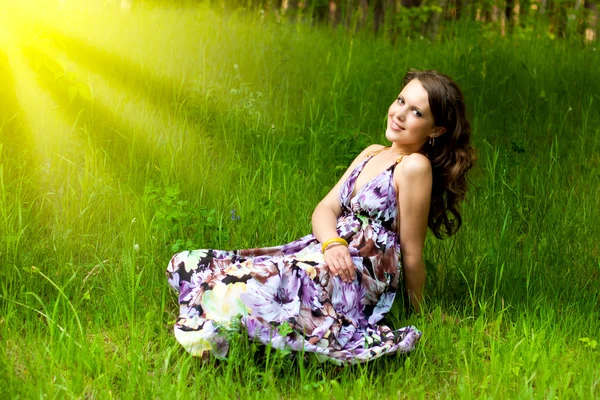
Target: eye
(400,100)
(417,113)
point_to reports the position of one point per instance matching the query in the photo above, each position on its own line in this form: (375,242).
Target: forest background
(132,130)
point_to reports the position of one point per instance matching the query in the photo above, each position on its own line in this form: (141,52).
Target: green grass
(128,136)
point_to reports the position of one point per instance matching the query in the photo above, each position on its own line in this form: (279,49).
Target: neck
(398,149)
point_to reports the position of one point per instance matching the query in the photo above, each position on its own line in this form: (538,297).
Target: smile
(395,126)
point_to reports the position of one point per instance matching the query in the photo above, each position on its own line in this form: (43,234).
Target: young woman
(326,292)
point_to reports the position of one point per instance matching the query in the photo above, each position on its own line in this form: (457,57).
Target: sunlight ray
(106,51)
(48,132)
(135,120)
(70,172)
(178,99)
(64,161)
(146,35)
(140,128)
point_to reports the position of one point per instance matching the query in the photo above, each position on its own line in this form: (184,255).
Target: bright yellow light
(48,26)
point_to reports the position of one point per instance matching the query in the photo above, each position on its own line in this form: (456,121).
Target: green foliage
(63,81)
(591,343)
(411,21)
(556,19)
(179,149)
(178,224)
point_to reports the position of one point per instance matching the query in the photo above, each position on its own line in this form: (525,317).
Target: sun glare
(56,55)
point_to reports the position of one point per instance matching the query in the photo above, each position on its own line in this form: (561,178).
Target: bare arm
(414,182)
(324,222)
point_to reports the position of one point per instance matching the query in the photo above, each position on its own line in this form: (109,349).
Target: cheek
(414,122)
(418,126)
(420,123)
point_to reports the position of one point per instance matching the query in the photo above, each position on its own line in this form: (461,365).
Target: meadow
(125,137)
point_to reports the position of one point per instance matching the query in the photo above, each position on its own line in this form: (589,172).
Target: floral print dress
(285,296)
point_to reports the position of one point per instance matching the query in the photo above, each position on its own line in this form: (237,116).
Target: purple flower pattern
(290,284)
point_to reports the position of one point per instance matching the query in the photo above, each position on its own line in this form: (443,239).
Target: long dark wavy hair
(451,154)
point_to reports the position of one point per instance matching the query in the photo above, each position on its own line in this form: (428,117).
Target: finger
(351,274)
(346,268)
(344,275)
(333,271)
(340,264)
(349,267)
(340,270)
(343,268)
(347,273)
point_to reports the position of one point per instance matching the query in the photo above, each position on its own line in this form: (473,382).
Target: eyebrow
(417,108)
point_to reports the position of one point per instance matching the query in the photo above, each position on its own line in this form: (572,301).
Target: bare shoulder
(414,171)
(415,166)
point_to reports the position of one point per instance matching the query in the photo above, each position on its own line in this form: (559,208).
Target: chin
(391,135)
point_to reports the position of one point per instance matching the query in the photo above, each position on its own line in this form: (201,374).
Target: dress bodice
(375,201)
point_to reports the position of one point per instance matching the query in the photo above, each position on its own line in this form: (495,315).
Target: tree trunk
(378,15)
(363,9)
(524,10)
(460,7)
(591,21)
(411,3)
(434,25)
(508,12)
(291,5)
(318,9)
(335,13)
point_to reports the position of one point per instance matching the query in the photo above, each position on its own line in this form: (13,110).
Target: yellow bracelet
(330,245)
(331,241)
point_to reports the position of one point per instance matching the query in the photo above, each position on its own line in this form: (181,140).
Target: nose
(400,113)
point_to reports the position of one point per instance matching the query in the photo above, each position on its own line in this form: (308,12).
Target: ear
(438,131)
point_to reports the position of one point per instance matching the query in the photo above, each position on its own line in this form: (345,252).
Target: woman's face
(410,121)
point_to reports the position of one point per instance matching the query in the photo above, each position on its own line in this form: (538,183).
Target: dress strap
(399,159)
(374,153)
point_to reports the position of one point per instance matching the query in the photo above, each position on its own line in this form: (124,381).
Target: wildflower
(136,247)
(234,216)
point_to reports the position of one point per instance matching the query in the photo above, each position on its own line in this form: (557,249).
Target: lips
(395,126)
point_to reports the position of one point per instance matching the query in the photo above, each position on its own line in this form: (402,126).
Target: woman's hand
(340,263)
